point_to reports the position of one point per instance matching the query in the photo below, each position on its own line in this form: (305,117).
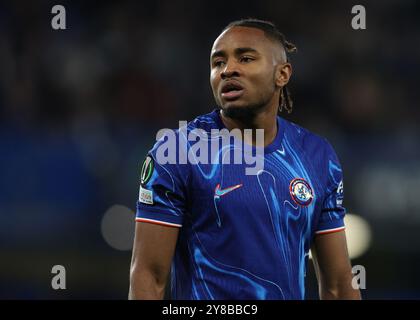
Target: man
(229,235)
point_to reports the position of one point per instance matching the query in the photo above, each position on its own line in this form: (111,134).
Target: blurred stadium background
(80,107)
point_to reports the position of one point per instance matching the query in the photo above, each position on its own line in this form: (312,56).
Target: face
(247,70)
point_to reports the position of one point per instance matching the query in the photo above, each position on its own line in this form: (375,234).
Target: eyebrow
(237,51)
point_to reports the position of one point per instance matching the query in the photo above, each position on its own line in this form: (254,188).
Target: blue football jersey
(243,236)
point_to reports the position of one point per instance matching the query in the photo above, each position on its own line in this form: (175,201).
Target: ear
(283,74)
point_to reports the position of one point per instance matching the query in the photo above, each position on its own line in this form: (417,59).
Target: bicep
(330,254)
(153,249)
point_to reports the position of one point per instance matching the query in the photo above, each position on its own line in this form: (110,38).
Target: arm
(153,250)
(332,267)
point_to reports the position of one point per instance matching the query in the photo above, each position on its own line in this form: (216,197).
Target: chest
(284,190)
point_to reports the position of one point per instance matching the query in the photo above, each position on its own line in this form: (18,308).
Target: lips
(231,90)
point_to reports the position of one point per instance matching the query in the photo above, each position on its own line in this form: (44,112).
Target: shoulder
(304,136)
(205,122)
(171,146)
(318,152)
(316,148)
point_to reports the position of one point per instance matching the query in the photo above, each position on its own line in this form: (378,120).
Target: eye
(246,59)
(218,63)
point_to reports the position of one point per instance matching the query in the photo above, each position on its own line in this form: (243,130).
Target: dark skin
(257,64)
(246,56)
(333,268)
(153,251)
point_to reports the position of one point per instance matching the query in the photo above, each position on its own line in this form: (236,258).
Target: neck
(266,120)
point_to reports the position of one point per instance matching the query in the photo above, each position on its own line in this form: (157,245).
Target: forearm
(340,291)
(146,286)
(340,295)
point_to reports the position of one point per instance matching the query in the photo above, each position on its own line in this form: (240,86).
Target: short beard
(244,114)
(248,114)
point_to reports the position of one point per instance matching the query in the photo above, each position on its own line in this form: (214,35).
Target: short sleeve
(332,213)
(162,197)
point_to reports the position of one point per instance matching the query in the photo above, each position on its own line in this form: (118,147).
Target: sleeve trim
(330,230)
(162,223)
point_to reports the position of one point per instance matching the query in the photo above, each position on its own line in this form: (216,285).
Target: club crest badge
(301,192)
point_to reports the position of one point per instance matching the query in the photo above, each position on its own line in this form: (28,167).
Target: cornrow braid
(286,101)
(271,31)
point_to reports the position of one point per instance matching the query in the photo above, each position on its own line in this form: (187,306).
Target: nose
(230,70)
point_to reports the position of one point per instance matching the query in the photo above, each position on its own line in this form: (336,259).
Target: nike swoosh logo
(218,192)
